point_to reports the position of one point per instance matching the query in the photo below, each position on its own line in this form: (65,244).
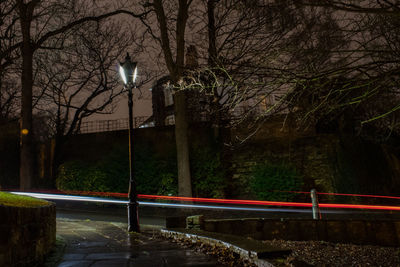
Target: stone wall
(384,233)
(93,146)
(327,162)
(26,234)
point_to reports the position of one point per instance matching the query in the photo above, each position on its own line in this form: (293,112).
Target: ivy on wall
(208,175)
(153,175)
(269,181)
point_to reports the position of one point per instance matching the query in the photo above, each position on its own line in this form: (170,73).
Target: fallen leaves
(320,253)
(224,255)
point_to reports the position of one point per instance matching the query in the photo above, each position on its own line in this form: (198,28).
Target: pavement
(95,235)
(100,243)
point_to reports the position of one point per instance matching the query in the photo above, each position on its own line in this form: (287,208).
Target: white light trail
(170,205)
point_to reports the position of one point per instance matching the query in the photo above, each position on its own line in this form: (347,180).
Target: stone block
(307,229)
(4,234)
(40,248)
(34,231)
(249,164)
(397,232)
(250,227)
(369,232)
(209,226)
(292,230)
(225,227)
(195,222)
(336,232)
(384,233)
(321,229)
(237,227)
(26,234)
(236,176)
(274,229)
(357,232)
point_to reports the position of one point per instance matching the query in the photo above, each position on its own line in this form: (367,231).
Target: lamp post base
(133,217)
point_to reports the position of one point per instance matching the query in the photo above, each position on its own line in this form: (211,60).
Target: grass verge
(8,199)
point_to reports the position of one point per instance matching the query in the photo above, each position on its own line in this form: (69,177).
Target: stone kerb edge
(250,256)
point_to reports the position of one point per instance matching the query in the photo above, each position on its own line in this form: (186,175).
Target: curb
(245,255)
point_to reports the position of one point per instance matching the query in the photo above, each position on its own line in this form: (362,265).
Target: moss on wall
(327,162)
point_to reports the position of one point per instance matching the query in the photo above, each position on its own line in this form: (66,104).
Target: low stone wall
(384,233)
(26,234)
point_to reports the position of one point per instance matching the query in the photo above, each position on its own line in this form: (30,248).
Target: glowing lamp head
(128,70)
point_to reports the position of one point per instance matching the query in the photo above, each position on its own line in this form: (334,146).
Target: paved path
(96,243)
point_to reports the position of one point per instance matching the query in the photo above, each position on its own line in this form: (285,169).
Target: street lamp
(128,72)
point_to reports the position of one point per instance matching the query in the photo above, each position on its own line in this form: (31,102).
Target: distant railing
(110,125)
(139,122)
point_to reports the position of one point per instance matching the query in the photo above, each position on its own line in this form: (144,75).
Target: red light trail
(240,202)
(341,194)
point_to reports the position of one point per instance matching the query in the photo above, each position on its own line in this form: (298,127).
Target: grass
(8,199)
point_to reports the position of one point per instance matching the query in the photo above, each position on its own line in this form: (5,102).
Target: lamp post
(128,72)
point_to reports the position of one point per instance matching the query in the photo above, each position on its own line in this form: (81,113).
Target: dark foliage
(268,180)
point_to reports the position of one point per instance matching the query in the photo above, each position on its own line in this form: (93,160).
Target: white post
(315,207)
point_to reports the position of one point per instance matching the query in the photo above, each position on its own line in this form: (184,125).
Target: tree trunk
(212,47)
(27,155)
(213,62)
(26,133)
(182,144)
(176,69)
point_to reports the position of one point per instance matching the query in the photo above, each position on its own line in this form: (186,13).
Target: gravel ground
(308,253)
(320,253)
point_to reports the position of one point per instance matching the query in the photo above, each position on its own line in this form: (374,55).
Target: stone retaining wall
(384,233)
(26,234)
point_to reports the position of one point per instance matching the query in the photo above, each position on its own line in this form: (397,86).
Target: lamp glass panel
(122,73)
(134,74)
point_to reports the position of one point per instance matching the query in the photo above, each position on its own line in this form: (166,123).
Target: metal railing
(110,125)
(139,122)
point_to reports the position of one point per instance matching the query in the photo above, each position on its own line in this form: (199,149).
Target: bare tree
(39,21)
(251,56)
(9,97)
(385,7)
(8,59)
(364,82)
(80,80)
(340,55)
(167,27)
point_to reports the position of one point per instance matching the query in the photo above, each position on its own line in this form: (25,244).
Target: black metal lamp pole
(128,71)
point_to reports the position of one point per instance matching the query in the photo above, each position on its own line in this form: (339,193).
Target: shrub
(208,176)
(75,175)
(153,175)
(168,185)
(268,179)
(111,174)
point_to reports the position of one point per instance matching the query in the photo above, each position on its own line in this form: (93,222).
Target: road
(156,212)
(158,215)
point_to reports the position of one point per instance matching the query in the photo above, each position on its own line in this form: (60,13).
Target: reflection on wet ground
(99,243)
